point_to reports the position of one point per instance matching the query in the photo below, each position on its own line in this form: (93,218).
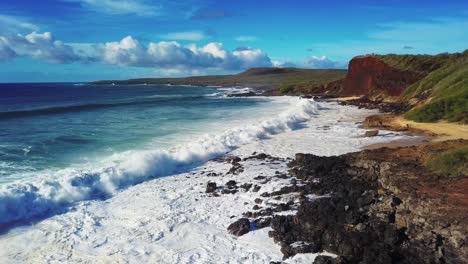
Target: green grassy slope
(442,94)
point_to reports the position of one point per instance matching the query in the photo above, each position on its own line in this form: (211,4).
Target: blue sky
(83,40)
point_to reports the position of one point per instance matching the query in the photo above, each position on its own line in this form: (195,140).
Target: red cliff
(369,76)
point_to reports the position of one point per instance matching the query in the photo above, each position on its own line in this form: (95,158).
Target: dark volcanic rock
(246,186)
(328,260)
(383,206)
(236,169)
(231,184)
(240,227)
(211,187)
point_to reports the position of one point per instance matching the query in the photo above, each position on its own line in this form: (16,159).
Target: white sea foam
(24,200)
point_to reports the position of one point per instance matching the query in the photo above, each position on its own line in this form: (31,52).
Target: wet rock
(262,222)
(322,259)
(211,187)
(236,169)
(258,201)
(240,227)
(231,184)
(246,186)
(371,133)
(228,191)
(256,188)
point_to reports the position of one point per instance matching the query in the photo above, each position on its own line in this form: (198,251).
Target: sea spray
(46,194)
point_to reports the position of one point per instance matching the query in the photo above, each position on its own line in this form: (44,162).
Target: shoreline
(107,220)
(251,186)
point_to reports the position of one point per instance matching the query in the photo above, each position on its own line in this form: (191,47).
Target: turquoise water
(55,126)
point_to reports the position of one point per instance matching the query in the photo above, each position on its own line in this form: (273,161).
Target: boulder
(240,227)
(211,187)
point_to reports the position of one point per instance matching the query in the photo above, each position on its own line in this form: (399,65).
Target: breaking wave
(52,192)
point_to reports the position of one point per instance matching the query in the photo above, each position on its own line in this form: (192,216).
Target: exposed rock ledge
(383,206)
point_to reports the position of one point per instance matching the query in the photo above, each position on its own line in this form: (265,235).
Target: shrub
(452,163)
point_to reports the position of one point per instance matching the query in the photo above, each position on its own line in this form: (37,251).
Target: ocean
(62,143)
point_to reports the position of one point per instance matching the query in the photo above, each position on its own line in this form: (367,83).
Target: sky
(86,40)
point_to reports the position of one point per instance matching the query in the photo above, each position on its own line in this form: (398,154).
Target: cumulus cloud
(117,7)
(322,62)
(186,35)
(37,45)
(130,52)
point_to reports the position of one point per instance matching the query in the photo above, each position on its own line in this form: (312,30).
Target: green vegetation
(445,92)
(452,163)
(423,64)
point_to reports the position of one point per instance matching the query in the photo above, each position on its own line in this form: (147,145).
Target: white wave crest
(46,194)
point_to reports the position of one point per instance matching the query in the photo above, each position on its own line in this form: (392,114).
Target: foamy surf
(47,194)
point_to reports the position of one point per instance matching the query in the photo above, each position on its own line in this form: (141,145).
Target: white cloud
(37,45)
(187,35)
(13,25)
(130,52)
(245,38)
(117,7)
(322,62)
(283,64)
(6,53)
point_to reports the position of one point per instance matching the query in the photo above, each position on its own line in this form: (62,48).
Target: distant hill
(269,79)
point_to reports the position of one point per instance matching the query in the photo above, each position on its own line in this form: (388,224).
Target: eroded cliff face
(371,77)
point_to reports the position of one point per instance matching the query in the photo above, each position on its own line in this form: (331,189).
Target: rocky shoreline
(372,206)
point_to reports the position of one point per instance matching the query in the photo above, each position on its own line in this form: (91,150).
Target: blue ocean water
(61,144)
(56,125)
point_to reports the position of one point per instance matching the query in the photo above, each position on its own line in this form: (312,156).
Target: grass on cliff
(311,83)
(416,63)
(446,90)
(452,163)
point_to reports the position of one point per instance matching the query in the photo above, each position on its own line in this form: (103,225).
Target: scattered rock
(240,227)
(262,222)
(246,186)
(371,133)
(211,187)
(231,184)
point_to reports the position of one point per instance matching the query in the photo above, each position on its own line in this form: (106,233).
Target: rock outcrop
(371,77)
(377,206)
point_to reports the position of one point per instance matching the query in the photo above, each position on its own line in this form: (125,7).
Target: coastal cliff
(371,77)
